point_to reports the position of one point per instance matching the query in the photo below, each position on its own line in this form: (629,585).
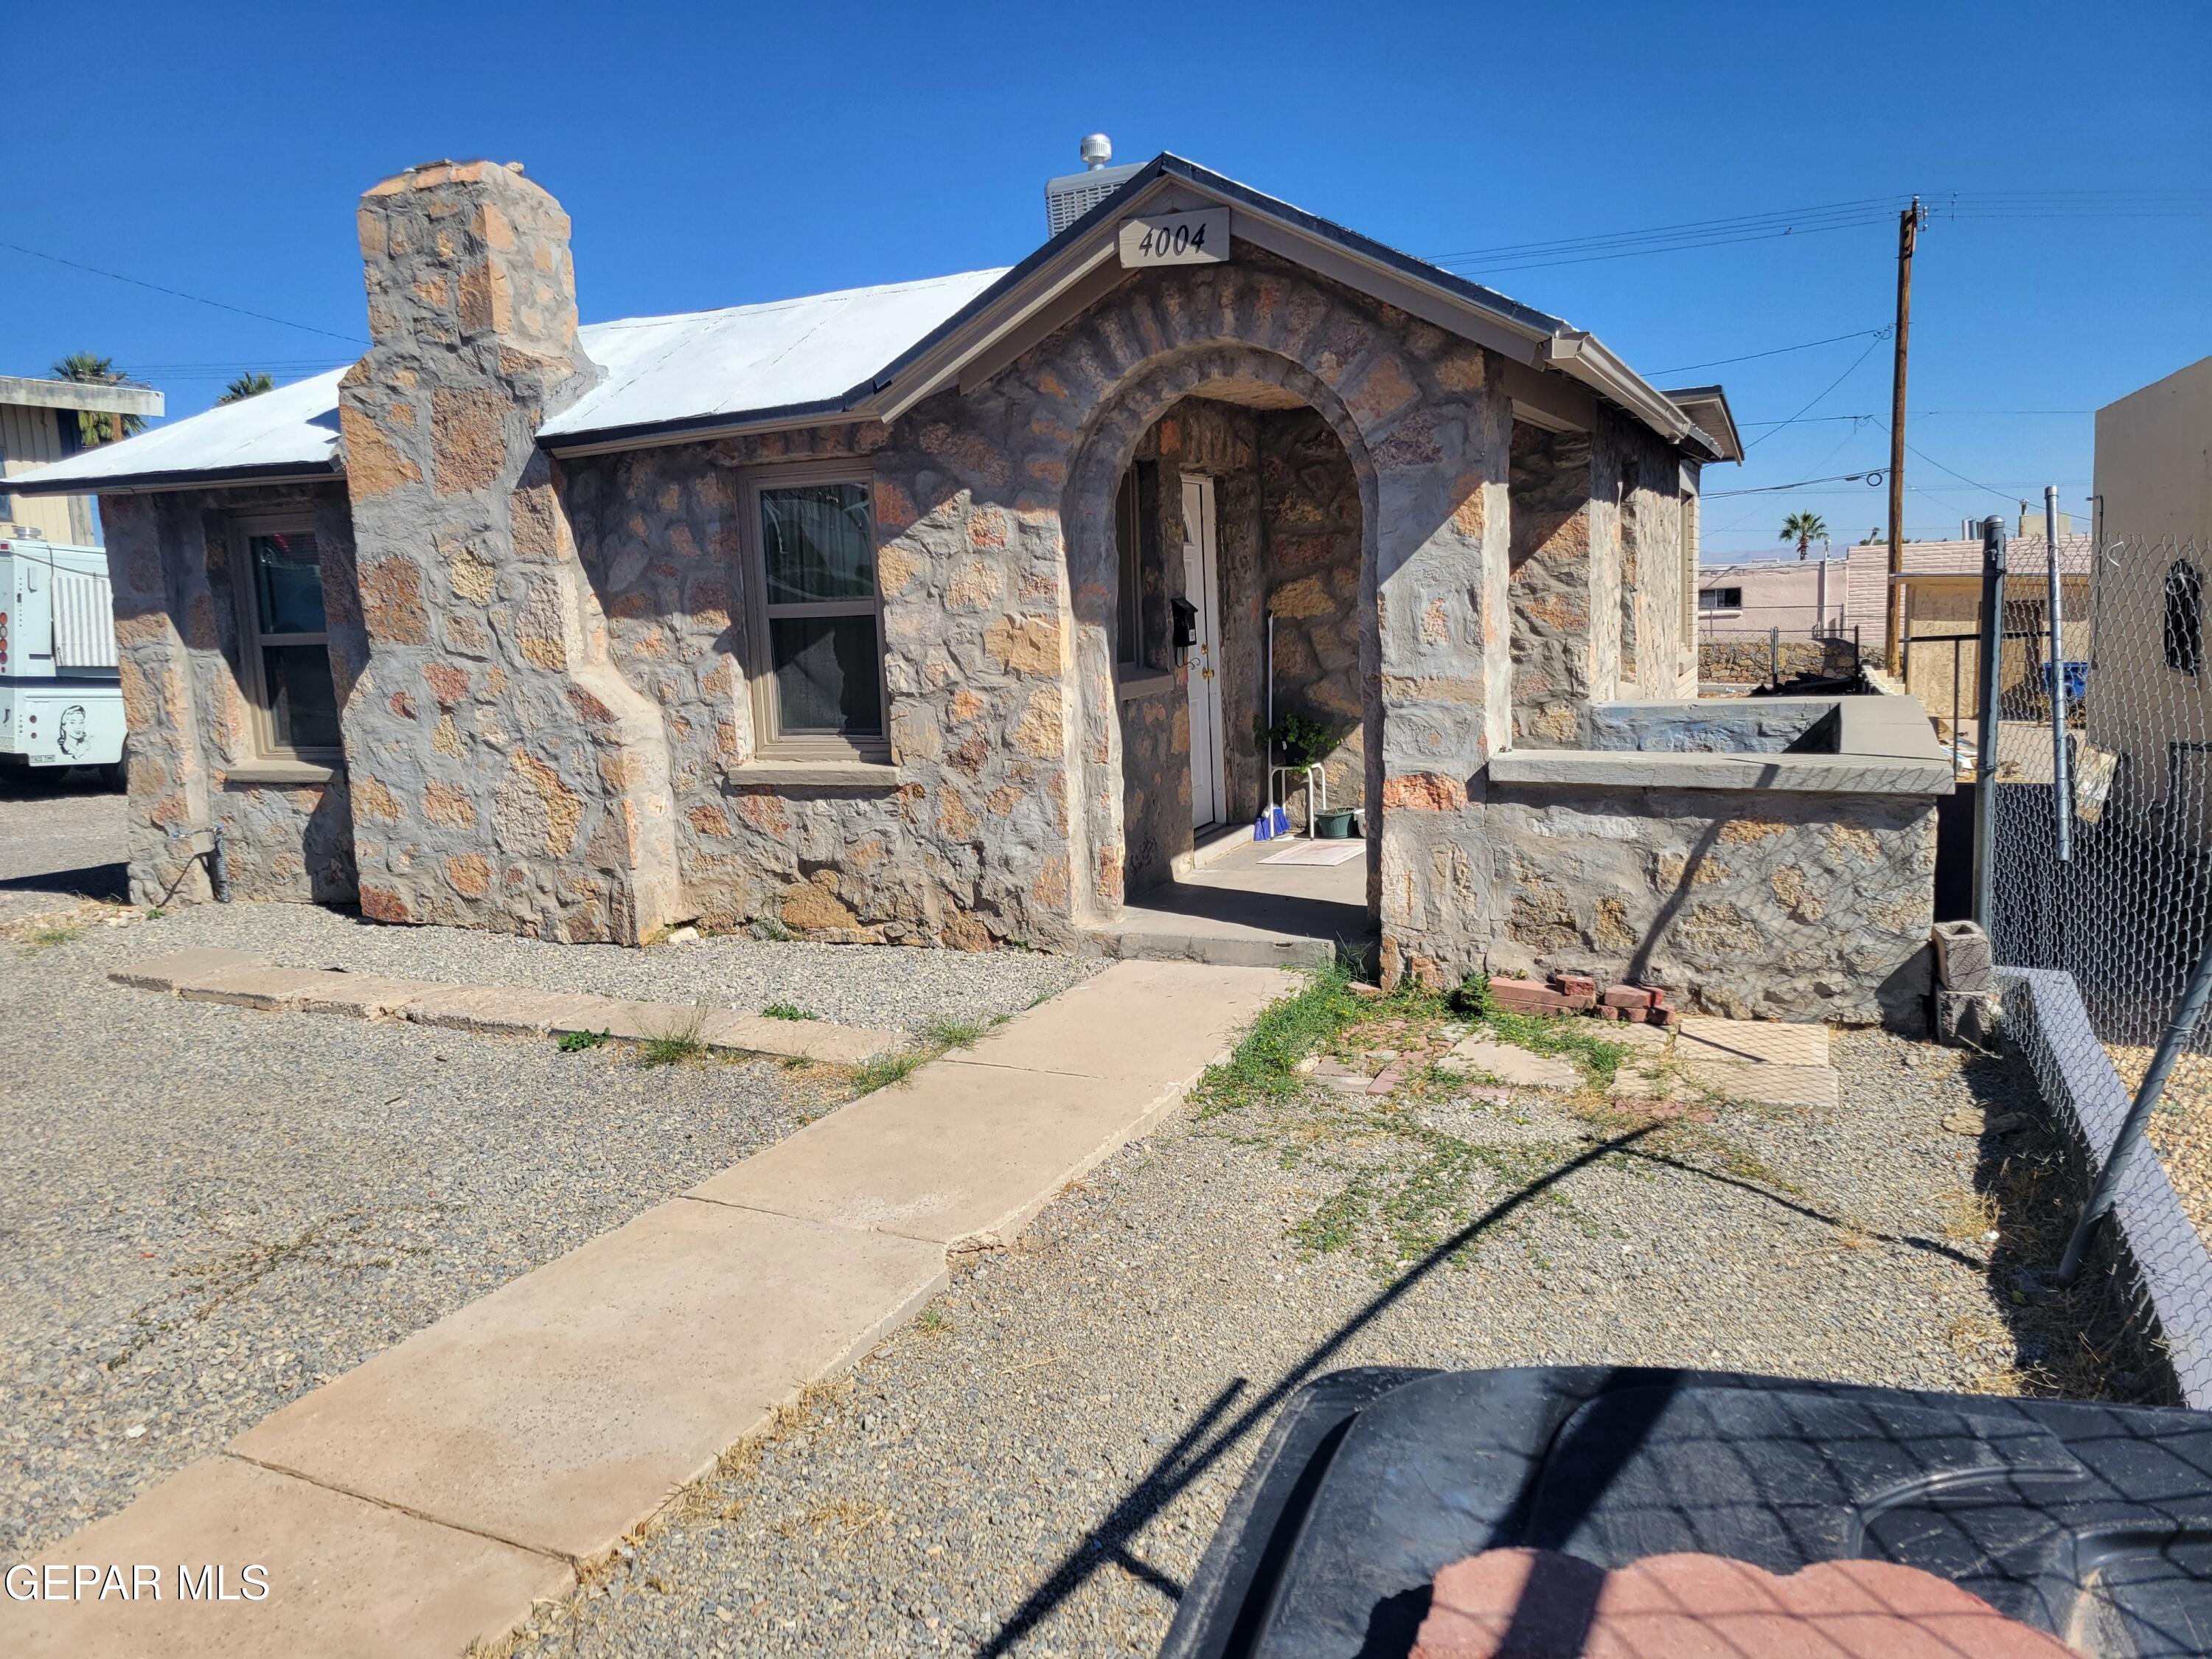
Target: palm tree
(1805,529)
(97,425)
(252,384)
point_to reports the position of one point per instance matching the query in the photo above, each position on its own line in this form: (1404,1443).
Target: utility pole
(1908,236)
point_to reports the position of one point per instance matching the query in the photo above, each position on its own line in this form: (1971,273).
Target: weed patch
(574,1042)
(1264,1066)
(677,1045)
(787,1011)
(1570,1037)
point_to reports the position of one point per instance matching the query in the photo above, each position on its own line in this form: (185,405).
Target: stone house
(945,612)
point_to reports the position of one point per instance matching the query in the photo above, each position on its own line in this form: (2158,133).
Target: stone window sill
(280,772)
(773,774)
(1135,682)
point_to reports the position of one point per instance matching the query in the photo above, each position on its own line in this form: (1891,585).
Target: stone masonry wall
(191,723)
(504,775)
(1550,496)
(1776,904)
(1310,497)
(965,846)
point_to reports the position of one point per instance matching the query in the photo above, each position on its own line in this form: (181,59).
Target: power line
(1716,362)
(1832,215)
(178,294)
(1831,386)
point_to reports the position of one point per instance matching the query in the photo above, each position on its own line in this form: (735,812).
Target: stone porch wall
(190,722)
(1749,903)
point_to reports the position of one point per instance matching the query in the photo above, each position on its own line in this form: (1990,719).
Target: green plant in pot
(1301,741)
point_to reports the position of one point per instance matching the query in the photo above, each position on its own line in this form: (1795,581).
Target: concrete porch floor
(1238,911)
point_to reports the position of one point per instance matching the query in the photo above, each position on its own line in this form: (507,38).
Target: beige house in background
(39,425)
(2154,472)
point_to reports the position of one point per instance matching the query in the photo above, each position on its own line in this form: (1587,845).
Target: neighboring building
(38,426)
(2154,494)
(1768,615)
(939,613)
(1942,588)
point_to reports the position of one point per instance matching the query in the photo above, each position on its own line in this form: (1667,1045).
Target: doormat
(1318,852)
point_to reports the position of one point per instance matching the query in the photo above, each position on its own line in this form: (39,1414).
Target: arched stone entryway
(1211,413)
(1426,422)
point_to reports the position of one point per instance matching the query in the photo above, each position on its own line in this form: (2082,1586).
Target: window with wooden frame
(816,646)
(284,642)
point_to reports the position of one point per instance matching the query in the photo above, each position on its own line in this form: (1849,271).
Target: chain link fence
(2100,886)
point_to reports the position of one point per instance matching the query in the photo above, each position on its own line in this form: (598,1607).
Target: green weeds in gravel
(1264,1066)
(886,1069)
(575,1043)
(678,1044)
(1563,1036)
(787,1011)
(45,939)
(945,1035)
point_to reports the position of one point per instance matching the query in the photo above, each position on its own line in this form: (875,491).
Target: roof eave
(159,483)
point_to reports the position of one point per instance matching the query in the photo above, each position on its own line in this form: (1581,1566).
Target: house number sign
(1197,238)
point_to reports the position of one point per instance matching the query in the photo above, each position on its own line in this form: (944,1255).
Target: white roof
(749,359)
(699,366)
(295,426)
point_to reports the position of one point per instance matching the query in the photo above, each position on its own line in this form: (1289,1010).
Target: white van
(61,701)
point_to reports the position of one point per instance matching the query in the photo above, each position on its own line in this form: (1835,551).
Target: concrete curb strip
(243,981)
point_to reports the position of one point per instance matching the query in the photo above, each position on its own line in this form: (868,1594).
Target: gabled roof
(873,353)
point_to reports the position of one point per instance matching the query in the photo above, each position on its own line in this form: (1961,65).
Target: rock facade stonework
(1765,904)
(504,773)
(186,702)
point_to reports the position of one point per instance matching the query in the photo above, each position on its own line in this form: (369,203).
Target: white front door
(1201,586)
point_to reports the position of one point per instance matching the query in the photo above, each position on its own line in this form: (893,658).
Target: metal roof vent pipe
(1068,198)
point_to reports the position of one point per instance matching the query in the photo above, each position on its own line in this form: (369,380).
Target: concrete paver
(957,1153)
(259,987)
(1168,1022)
(561,1409)
(166,973)
(1502,1060)
(346,1580)
(365,996)
(1706,1038)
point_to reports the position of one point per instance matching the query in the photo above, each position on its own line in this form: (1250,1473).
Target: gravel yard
(1035,1465)
(204,1212)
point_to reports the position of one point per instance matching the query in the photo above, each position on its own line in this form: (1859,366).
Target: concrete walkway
(424,1499)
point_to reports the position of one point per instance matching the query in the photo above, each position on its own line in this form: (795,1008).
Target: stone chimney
(503,773)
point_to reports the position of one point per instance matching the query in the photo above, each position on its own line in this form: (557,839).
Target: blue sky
(712,155)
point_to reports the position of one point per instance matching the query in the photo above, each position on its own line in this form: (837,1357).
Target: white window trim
(758,657)
(251,642)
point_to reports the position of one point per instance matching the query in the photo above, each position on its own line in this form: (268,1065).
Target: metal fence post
(1986,674)
(1774,657)
(2056,609)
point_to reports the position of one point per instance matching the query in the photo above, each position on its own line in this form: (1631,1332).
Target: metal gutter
(149,483)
